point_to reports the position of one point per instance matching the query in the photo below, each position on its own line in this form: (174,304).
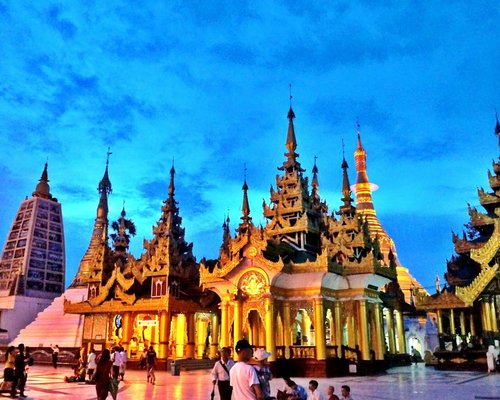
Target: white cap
(261,354)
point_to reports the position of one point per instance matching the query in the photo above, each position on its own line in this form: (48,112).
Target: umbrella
(113,387)
(213,393)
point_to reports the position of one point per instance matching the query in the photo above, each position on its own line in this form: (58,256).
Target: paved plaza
(415,382)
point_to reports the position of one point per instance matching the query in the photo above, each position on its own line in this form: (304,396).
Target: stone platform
(413,382)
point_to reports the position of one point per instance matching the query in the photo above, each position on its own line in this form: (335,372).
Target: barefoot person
(102,375)
(150,361)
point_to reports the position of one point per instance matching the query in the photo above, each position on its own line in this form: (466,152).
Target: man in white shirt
(117,360)
(314,393)
(244,380)
(91,364)
(123,364)
(220,374)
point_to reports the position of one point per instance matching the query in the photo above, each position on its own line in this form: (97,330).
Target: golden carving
(469,293)
(484,254)
(252,283)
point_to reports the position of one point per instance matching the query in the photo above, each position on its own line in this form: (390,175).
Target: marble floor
(415,382)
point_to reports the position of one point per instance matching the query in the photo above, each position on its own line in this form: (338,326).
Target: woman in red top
(102,375)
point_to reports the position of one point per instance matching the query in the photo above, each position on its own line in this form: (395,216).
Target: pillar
(190,335)
(236,324)
(363,324)
(390,331)
(471,323)
(269,321)
(214,345)
(201,337)
(487,315)
(440,321)
(462,324)
(379,329)
(494,323)
(224,325)
(180,335)
(126,331)
(287,328)
(319,329)
(401,332)
(339,330)
(453,330)
(164,334)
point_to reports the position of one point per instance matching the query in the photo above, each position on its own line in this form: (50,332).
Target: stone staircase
(53,326)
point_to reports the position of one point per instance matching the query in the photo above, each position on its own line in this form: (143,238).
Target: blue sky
(206,83)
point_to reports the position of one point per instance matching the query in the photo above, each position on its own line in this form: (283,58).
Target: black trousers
(19,381)
(225,390)
(54,359)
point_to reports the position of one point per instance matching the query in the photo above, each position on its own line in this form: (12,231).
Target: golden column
(462,324)
(379,328)
(390,331)
(214,345)
(494,323)
(453,329)
(319,329)
(440,321)
(287,328)
(190,335)
(224,329)
(236,324)
(270,338)
(401,332)
(164,334)
(339,330)
(471,323)
(201,336)
(126,331)
(487,315)
(363,324)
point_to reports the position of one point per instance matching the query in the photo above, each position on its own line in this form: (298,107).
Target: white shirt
(91,364)
(218,373)
(123,357)
(243,376)
(316,395)
(117,360)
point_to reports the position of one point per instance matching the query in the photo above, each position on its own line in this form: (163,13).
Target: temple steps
(53,326)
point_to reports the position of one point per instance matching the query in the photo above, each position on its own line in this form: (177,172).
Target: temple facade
(32,265)
(467,307)
(137,302)
(308,285)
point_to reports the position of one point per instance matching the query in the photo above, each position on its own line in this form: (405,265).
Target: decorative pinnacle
(105,183)
(171,186)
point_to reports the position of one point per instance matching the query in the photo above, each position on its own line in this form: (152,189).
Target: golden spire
(245,208)
(315,183)
(105,183)
(42,188)
(171,186)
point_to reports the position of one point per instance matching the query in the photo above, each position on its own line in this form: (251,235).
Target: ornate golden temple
(308,286)
(468,307)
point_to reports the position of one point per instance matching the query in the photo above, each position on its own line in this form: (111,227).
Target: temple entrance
(254,329)
(146,333)
(415,343)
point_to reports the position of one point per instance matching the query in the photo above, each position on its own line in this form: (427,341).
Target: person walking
(220,374)
(150,364)
(331,393)
(244,380)
(19,376)
(55,355)
(123,365)
(102,375)
(314,393)
(345,393)
(263,371)
(117,360)
(91,364)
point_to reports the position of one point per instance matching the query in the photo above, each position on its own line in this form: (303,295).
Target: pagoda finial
(358,129)
(315,183)
(105,183)
(497,128)
(42,188)
(171,186)
(123,213)
(291,142)
(245,207)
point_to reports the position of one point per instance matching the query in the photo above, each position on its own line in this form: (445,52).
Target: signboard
(147,322)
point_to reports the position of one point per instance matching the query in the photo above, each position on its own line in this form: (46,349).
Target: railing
(353,354)
(302,352)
